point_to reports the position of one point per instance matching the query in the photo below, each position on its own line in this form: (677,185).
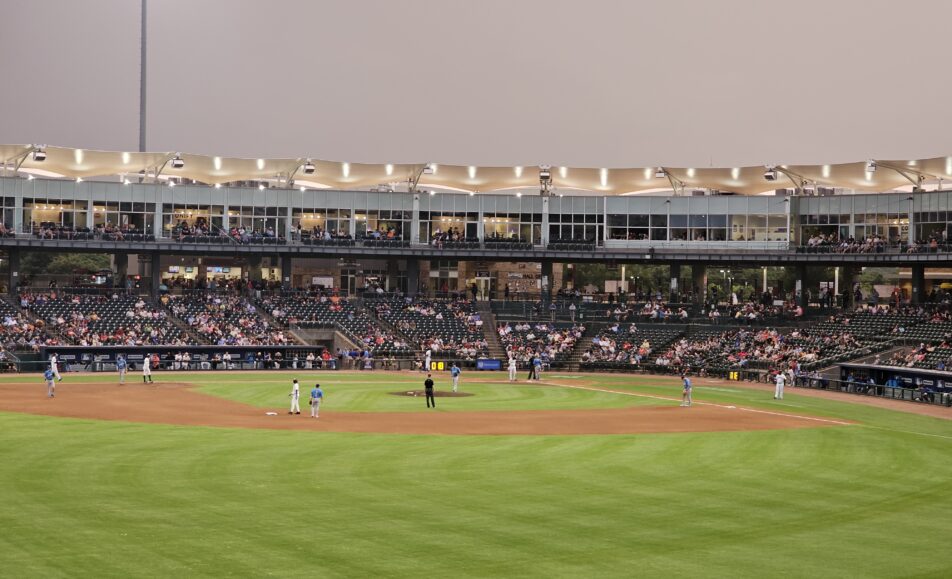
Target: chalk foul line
(724,406)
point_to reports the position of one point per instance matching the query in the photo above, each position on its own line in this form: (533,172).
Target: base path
(180,404)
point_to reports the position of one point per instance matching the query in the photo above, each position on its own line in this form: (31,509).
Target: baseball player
(428,390)
(512,368)
(121,366)
(686,390)
(50,384)
(147,368)
(455,372)
(55,368)
(295,396)
(317,395)
(780,380)
(537,367)
(427,359)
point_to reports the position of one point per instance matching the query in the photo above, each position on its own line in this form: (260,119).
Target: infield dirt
(180,404)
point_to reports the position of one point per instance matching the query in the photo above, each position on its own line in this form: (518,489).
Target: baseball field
(580,476)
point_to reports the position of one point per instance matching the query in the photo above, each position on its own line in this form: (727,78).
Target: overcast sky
(489,82)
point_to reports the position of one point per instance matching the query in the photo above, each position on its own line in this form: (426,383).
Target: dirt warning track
(180,404)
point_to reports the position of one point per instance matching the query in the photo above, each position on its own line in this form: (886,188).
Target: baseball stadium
(444,289)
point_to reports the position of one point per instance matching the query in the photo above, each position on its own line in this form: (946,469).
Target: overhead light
(432,193)
(545,172)
(79,179)
(217,185)
(871,166)
(770,174)
(30,177)
(660,173)
(472,193)
(39,154)
(428,170)
(303,188)
(177,162)
(171,183)
(519,194)
(126,181)
(309,167)
(261,187)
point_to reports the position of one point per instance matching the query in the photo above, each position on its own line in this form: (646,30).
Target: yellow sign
(734,376)
(438,366)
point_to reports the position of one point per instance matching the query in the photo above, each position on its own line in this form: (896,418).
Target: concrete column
(918,284)
(157,221)
(286,266)
(13,271)
(675,276)
(415,223)
(155,274)
(545,222)
(413,277)
(800,289)
(546,281)
(847,280)
(699,280)
(254,268)
(122,269)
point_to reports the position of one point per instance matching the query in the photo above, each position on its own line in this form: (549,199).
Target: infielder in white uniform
(512,369)
(55,367)
(147,369)
(778,389)
(427,359)
(295,398)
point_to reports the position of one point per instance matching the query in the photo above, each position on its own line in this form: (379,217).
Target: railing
(924,395)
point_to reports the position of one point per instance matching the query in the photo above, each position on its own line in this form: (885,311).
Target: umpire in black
(428,389)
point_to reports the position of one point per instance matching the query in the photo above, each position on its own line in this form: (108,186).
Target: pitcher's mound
(436,394)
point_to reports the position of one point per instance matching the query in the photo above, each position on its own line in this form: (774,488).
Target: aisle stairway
(489,330)
(591,329)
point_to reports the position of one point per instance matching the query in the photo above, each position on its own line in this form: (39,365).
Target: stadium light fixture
(177,162)
(39,154)
(871,166)
(660,173)
(545,179)
(428,169)
(770,173)
(309,167)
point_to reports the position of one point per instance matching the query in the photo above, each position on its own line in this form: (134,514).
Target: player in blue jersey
(686,390)
(50,378)
(455,372)
(121,366)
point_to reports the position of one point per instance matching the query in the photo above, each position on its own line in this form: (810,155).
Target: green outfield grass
(120,499)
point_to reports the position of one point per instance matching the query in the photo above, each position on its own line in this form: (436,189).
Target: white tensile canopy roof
(85,163)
